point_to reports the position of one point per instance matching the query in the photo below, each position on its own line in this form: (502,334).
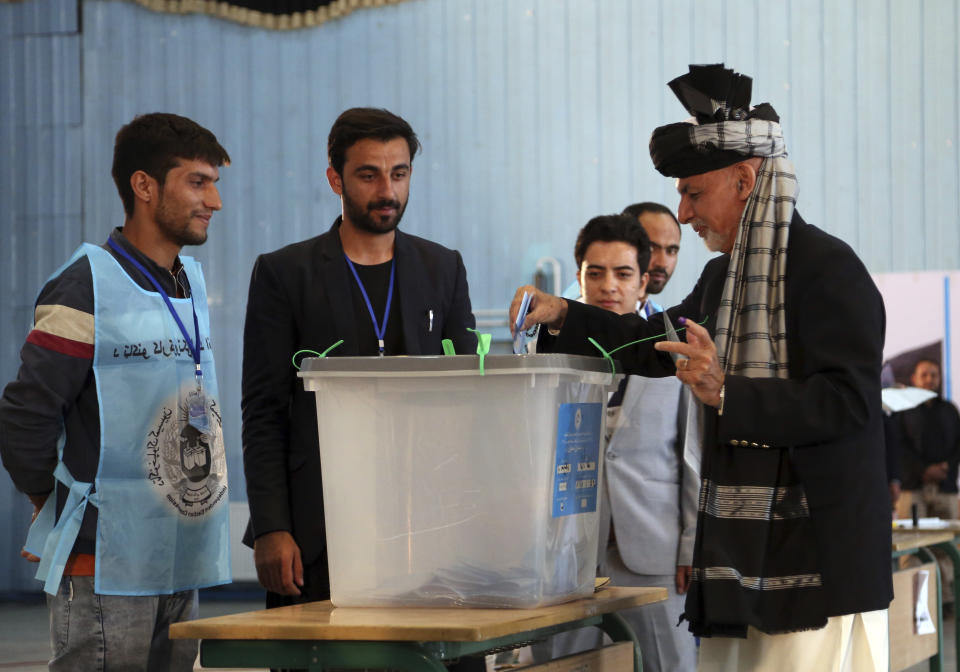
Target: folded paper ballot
(896,399)
(922,620)
(923,524)
(468,584)
(519,334)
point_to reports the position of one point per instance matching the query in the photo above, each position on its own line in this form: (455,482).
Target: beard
(175,230)
(656,285)
(364,219)
(715,242)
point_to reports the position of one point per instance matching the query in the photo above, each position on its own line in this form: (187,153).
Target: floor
(24,631)
(25,646)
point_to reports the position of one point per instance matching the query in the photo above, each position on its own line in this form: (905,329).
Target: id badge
(197,411)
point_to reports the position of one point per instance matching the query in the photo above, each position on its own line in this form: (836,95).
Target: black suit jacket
(300,298)
(828,411)
(925,435)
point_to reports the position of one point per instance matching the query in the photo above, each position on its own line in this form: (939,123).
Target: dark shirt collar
(169,280)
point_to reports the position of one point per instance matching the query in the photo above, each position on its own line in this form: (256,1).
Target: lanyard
(194,349)
(379,329)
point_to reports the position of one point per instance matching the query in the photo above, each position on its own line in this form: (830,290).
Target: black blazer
(300,298)
(828,411)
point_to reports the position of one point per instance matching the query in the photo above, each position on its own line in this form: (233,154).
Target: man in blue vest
(112,427)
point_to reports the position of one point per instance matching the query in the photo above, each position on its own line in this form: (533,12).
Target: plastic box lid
(591,369)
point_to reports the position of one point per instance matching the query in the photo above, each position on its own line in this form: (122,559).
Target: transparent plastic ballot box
(446,486)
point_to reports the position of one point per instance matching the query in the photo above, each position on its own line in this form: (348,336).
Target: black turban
(715,96)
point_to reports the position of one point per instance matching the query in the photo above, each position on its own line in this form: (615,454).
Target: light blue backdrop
(534,116)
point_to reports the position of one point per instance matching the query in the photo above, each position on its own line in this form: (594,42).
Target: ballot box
(447,485)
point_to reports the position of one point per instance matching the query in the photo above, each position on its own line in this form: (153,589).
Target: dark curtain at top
(276,15)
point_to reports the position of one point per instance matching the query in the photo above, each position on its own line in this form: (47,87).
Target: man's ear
(336,182)
(644,279)
(145,188)
(746,176)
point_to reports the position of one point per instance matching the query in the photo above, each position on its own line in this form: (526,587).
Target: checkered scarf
(751,336)
(753,137)
(755,560)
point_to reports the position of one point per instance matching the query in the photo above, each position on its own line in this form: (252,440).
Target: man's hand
(38,501)
(684,572)
(278,562)
(934,473)
(544,309)
(701,370)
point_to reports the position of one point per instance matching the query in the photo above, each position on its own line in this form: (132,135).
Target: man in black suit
(926,439)
(791,557)
(381,291)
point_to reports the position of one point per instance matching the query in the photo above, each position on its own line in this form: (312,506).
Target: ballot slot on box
(446,486)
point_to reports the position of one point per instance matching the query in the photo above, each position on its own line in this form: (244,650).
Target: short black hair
(614,229)
(155,143)
(359,123)
(638,209)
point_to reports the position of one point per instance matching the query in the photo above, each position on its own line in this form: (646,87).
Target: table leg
(614,625)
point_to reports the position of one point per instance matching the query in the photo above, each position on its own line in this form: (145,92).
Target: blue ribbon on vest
(194,349)
(53,543)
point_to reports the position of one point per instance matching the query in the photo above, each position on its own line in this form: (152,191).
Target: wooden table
(318,635)
(908,540)
(915,541)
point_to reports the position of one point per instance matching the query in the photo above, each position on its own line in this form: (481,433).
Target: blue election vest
(161,485)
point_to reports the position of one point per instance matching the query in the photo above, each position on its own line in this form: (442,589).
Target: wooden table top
(906,539)
(323,621)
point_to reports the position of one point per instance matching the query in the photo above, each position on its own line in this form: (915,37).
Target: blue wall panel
(907,217)
(940,118)
(40,18)
(40,199)
(534,116)
(841,132)
(804,70)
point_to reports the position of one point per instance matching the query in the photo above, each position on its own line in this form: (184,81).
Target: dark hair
(155,143)
(359,123)
(614,229)
(638,209)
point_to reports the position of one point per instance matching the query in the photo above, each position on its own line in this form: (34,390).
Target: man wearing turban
(784,337)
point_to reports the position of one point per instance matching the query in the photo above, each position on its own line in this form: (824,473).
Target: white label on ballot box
(578,451)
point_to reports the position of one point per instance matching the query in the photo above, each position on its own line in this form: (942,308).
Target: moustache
(657,269)
(376,205)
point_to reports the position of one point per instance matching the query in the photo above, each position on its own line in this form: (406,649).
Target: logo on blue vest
(187,467)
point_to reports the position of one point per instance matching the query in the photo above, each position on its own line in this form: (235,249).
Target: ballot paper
(520,334)
(475,585)
(922,621)
(896,399)
(922,524)
(672,336)
(693,430)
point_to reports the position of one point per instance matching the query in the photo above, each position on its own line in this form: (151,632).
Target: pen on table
(430,320)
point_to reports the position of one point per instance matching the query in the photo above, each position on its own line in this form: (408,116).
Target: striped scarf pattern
(755,562)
